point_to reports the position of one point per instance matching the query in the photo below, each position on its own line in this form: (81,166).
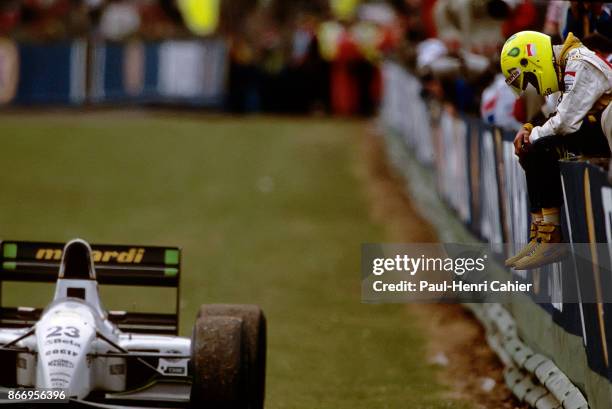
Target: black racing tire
(217,357)
(255,344)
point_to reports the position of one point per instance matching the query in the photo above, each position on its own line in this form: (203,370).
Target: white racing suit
(586,95)
(581,119)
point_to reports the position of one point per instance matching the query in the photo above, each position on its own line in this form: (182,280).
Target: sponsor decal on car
(131,256)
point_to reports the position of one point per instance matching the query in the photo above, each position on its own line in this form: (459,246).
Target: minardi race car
(117,359)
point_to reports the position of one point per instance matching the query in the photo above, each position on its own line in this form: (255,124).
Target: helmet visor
(531,78)
(516,81)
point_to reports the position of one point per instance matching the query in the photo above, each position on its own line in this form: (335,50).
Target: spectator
(521,15)
(119,19)
(10,15)
(308,87)
(498,105)
(44,19)
(556,13)
(587,18)
(244,95)
(160,19)
(344,93)
(466,24)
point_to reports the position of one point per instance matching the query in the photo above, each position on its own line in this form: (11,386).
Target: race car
(118,359)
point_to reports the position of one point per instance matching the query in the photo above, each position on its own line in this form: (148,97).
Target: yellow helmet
(527,58)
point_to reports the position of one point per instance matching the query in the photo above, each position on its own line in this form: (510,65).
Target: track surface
(267,211)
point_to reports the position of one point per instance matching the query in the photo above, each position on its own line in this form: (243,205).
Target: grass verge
(268,211)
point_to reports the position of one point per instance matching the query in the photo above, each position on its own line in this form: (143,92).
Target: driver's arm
(588,86)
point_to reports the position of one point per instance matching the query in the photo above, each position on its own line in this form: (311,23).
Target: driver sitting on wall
(580,125)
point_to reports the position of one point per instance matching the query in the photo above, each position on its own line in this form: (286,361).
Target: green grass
(267,211)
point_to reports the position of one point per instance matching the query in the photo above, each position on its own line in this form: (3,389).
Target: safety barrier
(477,175)
(185,72)
(532,377)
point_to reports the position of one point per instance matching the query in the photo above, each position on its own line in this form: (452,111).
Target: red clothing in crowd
(523,17)
(427,18)
(9,19)
(344,92)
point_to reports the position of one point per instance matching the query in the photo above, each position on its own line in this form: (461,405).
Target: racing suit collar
(561,55)
(570,43)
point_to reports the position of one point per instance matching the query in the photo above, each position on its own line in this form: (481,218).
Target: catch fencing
(79,72)
(479,178)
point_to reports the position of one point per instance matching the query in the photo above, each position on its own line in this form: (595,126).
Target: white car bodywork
(75,347)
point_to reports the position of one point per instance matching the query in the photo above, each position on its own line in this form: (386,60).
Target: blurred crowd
(53,20)
(305,56)
(326,56)
(312,57)
(455,51)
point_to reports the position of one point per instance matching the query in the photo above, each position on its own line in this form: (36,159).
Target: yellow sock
(537,216)
(551,214)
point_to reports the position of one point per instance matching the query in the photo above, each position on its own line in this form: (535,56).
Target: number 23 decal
(57,331)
